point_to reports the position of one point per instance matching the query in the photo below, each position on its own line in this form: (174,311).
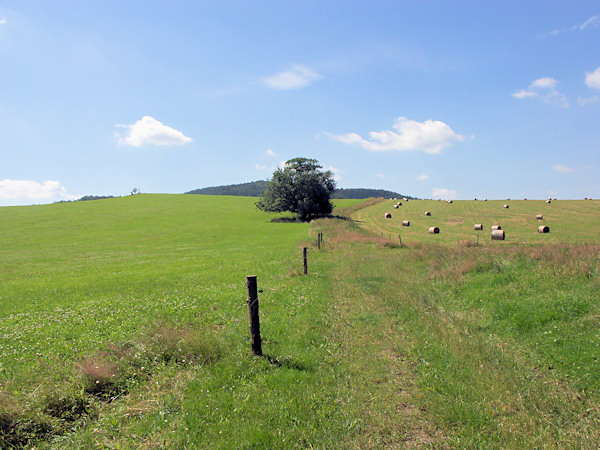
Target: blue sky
(432,99)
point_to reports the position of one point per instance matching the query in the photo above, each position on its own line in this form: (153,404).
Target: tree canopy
(300,187)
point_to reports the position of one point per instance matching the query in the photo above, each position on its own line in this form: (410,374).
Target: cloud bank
(431,136)
(295,78)
(148,130)
(29,191)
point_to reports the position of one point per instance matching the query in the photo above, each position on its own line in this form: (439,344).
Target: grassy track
(469,346)
(123,324)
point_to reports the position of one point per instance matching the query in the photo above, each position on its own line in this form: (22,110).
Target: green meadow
(124,324)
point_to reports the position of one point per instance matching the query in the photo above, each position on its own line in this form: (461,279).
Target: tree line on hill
(256,188)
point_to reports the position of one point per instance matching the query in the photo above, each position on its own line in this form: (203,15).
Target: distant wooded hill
(255,188)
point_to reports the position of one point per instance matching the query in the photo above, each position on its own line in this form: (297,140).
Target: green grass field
(123,324)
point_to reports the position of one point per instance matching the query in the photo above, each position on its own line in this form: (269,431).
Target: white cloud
(431,136)
(524,94)
(545,89)
(380,175)
(563,169)
(592,22)
(148,130)
(592,79)
(422,177)
(566,169)
(443,193)
(260,167)
(28,191)
(543,83)
(584,101)
(335,171)
(270,152)
(2,21)
(295,78)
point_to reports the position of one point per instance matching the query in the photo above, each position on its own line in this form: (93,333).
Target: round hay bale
(434,230)
(405,199)
(406,223)
(506,206)
(548,201)
(427,213)
(497,235)
(478,226)
(485,199)
(399,204)
(450,201)
(396,206)
(496,227)
(539,217)
(543,229)
(388,215)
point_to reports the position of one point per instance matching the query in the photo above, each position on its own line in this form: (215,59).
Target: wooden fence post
(319,241)
(400,239)
(305,261)
(252,301)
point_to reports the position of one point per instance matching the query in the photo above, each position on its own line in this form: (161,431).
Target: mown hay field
(570,221)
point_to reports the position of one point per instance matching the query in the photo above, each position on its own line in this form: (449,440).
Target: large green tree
(300,187)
